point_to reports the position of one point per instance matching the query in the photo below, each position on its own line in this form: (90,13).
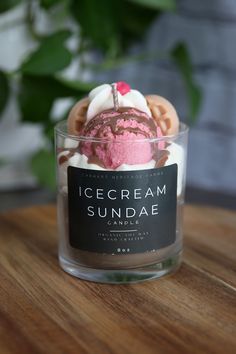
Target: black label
(122,212)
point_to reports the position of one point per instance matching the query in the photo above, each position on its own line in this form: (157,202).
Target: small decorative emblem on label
(122,212)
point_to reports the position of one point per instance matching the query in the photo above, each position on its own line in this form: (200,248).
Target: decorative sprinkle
(115,97)
(122,87)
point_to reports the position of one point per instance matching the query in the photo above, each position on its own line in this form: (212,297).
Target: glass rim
(61,129)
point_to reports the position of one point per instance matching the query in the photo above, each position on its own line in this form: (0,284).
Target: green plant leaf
(77,85)
(37,94)
(182,59)
(47,4)
(99,22)
(6,5)
(49,132)
(134,22)
(4,91)
(112,26)
(43,168)
(50,57)
(164,5)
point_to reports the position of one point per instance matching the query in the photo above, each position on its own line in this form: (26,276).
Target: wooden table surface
(44,310)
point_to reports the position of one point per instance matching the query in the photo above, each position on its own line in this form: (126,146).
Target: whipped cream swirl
(101,99)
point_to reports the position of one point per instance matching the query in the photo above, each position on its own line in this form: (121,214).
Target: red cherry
(122,87)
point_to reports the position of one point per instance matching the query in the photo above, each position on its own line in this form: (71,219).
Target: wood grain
(44,310)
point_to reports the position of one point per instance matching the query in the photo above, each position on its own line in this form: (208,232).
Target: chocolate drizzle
(105,119)
(95,160)
(68,154)
(161,157)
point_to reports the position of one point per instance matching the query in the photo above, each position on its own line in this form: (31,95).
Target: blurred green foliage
(182,59)
(51,57)
(105,26)
(6,5)
(4,90)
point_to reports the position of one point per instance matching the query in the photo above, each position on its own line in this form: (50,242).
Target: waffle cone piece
(164,114)
(77,116)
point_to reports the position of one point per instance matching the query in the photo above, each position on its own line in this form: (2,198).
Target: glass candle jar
(122,225)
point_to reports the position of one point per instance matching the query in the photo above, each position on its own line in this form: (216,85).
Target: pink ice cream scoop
(120,137)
